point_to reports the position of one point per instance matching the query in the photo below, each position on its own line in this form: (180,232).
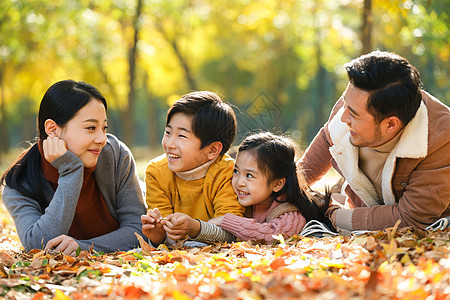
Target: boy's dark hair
(275,157)
(393,83)
(213,120)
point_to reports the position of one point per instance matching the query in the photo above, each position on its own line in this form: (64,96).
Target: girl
(266,183)
(76,186)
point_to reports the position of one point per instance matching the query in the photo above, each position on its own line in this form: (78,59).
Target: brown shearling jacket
(415,178)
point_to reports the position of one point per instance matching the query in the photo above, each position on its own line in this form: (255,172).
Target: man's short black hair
(392,82)
(213,120)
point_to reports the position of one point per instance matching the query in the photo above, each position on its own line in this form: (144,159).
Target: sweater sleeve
(155,195)
(316,160)
(127,202)
(224,198)
(249,229)
(36,227)
(212,233)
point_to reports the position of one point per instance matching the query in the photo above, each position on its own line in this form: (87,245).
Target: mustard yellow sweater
(203,199)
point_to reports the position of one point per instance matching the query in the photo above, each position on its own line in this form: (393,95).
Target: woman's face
(85,133)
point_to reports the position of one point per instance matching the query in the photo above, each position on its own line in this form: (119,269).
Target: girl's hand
(63,243)
(152,227)
(217,220)
(53,148)
(178,226)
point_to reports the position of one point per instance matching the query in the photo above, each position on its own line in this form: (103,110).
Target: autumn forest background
(278,61)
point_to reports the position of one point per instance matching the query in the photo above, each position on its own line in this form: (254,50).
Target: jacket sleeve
(36,227)
(425,199)
(128,205)
(249,229)
(156,196)
(316,161)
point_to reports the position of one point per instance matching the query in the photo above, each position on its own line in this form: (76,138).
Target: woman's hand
(63,243)
(53,148)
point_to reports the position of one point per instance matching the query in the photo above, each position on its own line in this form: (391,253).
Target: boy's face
(182,147)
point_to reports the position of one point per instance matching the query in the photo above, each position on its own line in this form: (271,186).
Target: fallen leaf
(146,248)
(371,243)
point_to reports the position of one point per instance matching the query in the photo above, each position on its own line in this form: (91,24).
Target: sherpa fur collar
(412,144)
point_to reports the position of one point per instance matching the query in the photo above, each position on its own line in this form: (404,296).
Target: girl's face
(249,183)
(85,133)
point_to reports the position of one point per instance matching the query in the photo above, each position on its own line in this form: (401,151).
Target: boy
(191,182)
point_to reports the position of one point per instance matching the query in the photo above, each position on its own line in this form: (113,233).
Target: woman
(77,186)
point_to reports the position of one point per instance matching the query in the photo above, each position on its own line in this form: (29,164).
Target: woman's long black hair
(275,157)
(60,103)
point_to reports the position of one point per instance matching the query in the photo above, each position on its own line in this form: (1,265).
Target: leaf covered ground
(406,263)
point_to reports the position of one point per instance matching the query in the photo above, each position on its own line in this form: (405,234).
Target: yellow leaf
(406,260)
(420,250)
(224,275)
(180,270)
(279,252)
(162,247)
(180,296)
(59,295)
(335,264)
(280,238)
(390,249)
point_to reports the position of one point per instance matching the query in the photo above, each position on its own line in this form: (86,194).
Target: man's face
(364,130)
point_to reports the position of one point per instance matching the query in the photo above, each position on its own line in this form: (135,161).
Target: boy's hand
(63,243)
(53,147)
(152,227)
(217,220)
(179,225)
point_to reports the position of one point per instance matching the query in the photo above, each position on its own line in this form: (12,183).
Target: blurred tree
(366,29)
(129,124)
(285,55)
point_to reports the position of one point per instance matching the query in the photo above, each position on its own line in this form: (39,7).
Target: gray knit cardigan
(118,182)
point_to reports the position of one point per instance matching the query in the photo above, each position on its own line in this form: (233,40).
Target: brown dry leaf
(390,249)
(391,231)
(7,259)
(146,248)
(407,242)
(3,272)
(352,267)
(371,243)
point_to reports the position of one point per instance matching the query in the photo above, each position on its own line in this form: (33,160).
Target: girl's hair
(60,103)
(275,157)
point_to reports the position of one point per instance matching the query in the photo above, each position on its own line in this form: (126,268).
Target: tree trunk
(320,77)
(129,123)
(152,117)
(183,62)
(4,138)
(366,30)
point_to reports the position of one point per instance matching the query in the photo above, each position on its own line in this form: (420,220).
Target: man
(390,141)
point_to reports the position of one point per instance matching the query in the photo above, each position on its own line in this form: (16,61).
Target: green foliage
(290,50)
